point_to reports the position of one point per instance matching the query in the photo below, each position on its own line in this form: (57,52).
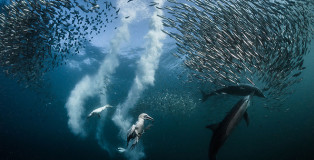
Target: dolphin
(98,111)
(137,129)
(239,90)
(222,130)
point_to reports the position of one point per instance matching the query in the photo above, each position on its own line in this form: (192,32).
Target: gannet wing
(131,130)
(130,134)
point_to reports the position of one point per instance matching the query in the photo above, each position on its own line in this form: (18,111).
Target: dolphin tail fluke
(213,127)
(246,118)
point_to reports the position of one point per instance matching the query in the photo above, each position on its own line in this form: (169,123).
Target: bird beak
(149,118)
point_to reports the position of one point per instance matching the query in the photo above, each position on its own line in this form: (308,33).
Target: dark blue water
(33,125)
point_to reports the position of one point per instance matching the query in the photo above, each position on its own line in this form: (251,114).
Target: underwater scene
(156,79)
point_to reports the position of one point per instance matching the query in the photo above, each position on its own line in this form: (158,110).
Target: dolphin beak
(149,118)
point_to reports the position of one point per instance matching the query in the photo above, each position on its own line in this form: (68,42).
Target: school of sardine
(38,35)
(222,42)
(231,42)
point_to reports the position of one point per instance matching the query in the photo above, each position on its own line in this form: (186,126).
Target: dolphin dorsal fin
(213,127)
(246,118)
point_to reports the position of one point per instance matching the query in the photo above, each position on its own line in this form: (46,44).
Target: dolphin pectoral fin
(98,115)
(213,127)
(204,96)
(246,118)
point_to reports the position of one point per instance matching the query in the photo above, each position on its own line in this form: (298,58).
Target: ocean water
(34,124)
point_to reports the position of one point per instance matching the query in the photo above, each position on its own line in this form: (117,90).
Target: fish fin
(213,127)
(246,118)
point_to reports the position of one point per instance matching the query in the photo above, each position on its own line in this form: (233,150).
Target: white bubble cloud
(145,76)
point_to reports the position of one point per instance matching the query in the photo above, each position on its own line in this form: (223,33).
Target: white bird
(98,111)
(137,129)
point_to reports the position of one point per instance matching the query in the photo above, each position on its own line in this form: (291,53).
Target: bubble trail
(145,76)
